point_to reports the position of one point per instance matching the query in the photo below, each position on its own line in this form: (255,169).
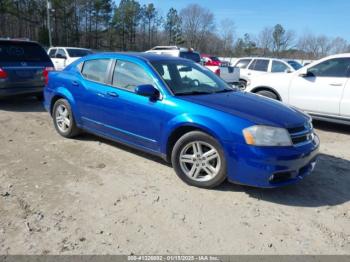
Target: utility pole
(49,7)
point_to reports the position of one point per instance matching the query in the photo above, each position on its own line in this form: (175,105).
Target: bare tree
(282,39)
(227,36)
(265,40)
(339,45)
(197,22)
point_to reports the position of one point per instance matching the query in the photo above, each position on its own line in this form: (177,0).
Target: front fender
(208,125)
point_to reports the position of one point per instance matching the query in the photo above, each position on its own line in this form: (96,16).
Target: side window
(243,63)
(337,67)
(278,67)
(61,53)
(260,65)
(96,70)
(52,53)
(128,75)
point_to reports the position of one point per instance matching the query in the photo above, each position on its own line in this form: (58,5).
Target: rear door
(24,63)
(258,67)
(345,101)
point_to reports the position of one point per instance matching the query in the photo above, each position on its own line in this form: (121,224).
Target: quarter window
(96,70)
(128,76)
(278,67)
(259,65)
(337,67)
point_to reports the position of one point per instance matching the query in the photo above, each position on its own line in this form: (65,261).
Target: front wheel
(198,159)
(268,94)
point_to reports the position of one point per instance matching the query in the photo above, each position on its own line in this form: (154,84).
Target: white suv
(254,66)
(63,56)
(321,89)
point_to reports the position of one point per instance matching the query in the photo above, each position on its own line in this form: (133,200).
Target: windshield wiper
(194,93)
(225,91)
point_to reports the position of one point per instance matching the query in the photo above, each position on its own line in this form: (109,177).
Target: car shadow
(332,127)
(21,104)
(328,185)
(91,137)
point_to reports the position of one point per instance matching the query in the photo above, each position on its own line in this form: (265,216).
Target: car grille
(301,135)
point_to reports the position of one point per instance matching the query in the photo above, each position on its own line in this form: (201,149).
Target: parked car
(63,56)
(322,88)
(254,66)
(183,52)
(184,113)
(295,64)
(24,66)
(229,74)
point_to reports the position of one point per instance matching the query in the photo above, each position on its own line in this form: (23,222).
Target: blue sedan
(184,113)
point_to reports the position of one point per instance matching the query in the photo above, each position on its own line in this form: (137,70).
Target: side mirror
(288,71)
(147,91)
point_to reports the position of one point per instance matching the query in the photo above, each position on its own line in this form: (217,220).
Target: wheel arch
(266,88)
(181,130)
(63,93)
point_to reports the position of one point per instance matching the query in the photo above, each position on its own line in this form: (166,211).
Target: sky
(326,17)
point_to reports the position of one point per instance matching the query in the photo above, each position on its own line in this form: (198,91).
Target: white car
(321,88)
(63,56)
(254,66)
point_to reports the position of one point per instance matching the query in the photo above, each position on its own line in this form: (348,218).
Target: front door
(321,90)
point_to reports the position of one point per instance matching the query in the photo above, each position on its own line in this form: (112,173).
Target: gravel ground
(92,196)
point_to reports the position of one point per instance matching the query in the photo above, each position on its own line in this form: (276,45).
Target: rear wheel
(199,160)
(63,119)
(268,94)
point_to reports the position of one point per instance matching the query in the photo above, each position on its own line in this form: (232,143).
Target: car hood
(259,110)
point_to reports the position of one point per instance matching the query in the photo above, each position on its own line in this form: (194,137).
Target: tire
(63,119)
(268,94)
(199,170)
(242,84)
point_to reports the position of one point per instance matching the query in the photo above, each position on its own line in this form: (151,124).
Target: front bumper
(270,167)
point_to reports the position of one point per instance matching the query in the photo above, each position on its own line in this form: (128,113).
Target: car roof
(70,47)
(148,57)
(18,41)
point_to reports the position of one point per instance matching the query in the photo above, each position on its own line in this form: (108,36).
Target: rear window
(191,56)
(78,52)
(243,63)
(11,51)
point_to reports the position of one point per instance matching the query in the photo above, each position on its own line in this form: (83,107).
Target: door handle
(112,94)
(75,83)
(335,84)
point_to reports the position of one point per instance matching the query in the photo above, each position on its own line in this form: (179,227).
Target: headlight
(266,136)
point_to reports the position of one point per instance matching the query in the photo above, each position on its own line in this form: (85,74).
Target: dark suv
(24,67)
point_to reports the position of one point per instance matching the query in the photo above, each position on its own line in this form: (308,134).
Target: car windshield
(12,51)
(188,78)
(73,52)
(214,58)
(295,65)
(191,56)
